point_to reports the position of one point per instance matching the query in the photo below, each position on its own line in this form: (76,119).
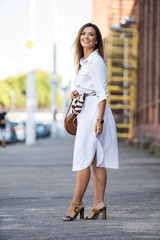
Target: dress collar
(90,58)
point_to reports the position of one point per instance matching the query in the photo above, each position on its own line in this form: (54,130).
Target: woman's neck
(87,52)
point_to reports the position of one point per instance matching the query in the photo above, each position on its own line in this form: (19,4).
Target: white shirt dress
(92,77)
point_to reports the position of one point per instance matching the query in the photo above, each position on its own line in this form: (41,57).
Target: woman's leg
(100,180)
(83,177)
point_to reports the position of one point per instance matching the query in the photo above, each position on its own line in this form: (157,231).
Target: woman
(96,138)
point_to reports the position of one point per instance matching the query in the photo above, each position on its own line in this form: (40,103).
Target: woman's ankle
(98,201)
(77,203)
(98,204)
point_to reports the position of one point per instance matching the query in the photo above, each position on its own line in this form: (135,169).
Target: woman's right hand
(74,94)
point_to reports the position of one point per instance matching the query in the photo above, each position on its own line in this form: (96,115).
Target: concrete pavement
(37,185)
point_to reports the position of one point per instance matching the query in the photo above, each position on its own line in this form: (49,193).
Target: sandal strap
(69,217)
(95,210)
(76,209)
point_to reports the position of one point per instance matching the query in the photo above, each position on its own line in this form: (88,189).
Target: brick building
(110,12)
(148,84)
(147,113)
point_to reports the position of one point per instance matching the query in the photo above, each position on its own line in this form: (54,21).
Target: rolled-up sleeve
(99,79)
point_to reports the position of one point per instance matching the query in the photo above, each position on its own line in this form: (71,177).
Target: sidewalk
(37,185)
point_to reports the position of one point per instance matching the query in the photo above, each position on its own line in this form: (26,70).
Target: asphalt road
(37,185)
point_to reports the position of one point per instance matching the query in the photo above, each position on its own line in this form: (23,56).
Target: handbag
(70,121)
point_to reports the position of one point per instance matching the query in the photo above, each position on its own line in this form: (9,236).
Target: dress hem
(73,170)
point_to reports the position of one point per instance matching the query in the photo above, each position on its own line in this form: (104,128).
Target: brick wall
(148,95)
(109,12)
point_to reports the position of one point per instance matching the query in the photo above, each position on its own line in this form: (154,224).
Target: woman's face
(88,38)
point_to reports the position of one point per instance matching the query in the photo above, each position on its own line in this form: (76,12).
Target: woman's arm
(99,79)
(99,126)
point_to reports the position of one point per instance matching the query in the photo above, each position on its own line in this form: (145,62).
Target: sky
(69,16)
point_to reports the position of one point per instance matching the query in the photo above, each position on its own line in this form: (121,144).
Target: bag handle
(69,108)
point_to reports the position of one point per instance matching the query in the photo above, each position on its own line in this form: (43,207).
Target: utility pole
(30,85)
(12,103)
(53,74)
(53,82)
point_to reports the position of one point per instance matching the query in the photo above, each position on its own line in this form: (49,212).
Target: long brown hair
(79,49)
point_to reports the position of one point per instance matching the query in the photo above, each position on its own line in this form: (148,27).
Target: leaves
(18,85)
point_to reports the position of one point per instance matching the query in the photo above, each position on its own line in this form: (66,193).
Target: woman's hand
(98,128)
(74,94)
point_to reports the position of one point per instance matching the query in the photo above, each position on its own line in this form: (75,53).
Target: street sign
(29,44)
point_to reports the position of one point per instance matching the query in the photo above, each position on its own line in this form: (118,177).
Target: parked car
(42,130)
(20,129)
(48,129)
(10,134)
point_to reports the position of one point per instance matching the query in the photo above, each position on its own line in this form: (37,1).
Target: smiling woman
(96,137)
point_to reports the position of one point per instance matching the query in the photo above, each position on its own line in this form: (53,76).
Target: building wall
(110,12)
(148,84)
(100,15)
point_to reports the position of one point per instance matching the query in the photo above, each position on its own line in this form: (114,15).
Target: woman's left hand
(98,128)
(74,94)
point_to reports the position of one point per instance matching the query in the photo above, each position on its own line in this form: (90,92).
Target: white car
(10,135)
(20,129)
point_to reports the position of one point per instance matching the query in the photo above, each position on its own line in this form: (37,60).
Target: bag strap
(69,109)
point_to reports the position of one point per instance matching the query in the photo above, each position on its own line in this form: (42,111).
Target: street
(37,186)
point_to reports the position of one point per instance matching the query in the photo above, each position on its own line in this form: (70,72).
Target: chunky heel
(104,215)
(82,213)
(97,212)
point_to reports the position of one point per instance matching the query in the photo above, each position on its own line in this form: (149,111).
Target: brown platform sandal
(97,212)
(77,210)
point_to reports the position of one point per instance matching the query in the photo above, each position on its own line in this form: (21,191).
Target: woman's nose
(86,37)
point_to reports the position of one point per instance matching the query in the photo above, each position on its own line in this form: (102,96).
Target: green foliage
(4,93)
(18,85)
(43,89)
(158,154)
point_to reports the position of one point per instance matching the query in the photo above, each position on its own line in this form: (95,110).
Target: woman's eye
(89,34)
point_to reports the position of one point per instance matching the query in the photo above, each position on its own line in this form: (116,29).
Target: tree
(18,85)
